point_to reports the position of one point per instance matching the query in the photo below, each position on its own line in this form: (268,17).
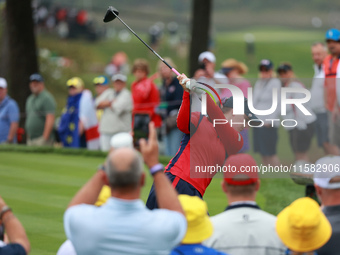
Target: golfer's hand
(183,79)
(149,149)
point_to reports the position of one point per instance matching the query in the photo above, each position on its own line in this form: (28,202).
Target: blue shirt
(192,249)
(9,113)
(123,227)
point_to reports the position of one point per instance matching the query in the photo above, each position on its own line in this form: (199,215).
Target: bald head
(124,168)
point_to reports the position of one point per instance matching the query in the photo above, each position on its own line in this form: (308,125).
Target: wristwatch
(4,210)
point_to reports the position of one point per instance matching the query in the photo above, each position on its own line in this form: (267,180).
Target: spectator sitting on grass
(199,227)
(18,241)
(243,228)
(303,228)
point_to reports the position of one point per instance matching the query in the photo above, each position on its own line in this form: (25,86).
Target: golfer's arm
(232,141)
(89,193)
(166,194)
(183,117)
(49,122)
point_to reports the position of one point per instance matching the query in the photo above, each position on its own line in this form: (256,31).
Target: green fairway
(38,186)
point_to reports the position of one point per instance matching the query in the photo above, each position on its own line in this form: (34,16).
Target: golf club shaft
(154,52)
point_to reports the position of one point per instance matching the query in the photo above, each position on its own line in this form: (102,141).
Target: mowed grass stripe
(39,186)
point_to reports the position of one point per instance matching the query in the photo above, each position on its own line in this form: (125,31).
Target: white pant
(105,142)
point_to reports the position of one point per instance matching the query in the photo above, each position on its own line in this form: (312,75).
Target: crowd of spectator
(107,215)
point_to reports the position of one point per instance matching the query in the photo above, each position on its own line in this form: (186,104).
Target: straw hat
(302,226)
(200,227)
(231,63)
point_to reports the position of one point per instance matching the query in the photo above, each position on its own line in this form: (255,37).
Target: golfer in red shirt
(203,145)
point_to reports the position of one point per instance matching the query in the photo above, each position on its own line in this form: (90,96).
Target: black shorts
(181,186)
(265,140)
(300,139)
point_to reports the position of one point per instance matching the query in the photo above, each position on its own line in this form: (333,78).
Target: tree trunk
(201,13)
(22,54)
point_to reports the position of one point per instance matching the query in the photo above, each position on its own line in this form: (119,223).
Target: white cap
(326,169)
(207,55)
(3,83)
(119,76)
(121,140)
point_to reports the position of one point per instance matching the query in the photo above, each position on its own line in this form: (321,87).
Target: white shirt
(123,227)
(245,230)
(317,101)
(116,118)
(295,113)
(263,99)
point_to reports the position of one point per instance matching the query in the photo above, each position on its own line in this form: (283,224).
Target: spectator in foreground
(78,126)
(18,241)
(40,113)
(117,106)
(120,140)
(9,115)
(303,228)
(301,135)
(327,185)
(319,53)
(171,94)
(199,228)
(265,138)
(243,228)
(124,225)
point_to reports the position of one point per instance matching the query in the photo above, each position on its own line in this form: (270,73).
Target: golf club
(113,13)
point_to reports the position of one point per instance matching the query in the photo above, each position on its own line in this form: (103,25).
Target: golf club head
(111,14)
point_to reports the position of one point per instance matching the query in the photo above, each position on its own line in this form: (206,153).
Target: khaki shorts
(334,128)
(40,141)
